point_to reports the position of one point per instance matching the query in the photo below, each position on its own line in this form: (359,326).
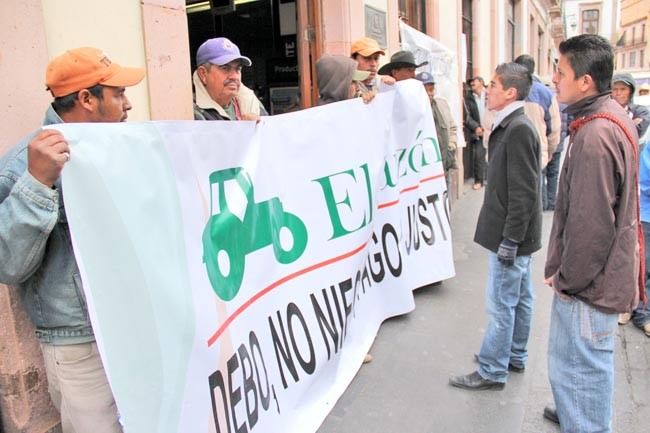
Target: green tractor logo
(227,239)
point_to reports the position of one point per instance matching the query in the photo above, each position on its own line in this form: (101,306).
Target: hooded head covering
(334,75)
(626,79)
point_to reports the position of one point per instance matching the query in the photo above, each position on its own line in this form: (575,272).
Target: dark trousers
(478,160)
(550,176)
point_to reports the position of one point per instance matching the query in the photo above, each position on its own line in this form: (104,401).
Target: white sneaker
(624,318)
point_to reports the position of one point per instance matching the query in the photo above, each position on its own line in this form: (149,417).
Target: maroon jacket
(593,251)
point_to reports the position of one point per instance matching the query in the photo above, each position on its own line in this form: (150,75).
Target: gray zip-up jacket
(36,253)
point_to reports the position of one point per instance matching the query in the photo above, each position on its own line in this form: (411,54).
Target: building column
(167,56)
(25,404)
(23,58)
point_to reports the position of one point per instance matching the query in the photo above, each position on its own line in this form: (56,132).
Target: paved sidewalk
(405,389)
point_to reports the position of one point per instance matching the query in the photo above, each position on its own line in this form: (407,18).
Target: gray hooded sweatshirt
(334,74)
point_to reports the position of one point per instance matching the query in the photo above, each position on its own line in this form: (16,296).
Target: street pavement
(405,388)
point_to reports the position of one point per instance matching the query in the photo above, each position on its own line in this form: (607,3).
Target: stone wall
(25,404)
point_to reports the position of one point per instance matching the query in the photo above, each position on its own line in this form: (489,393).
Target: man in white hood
(220,94)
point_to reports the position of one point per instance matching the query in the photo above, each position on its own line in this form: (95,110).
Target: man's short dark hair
(478,77)
(63,104)
(515,75)
(528,61)
(591,55)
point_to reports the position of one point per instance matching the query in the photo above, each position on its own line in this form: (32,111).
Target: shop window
(641,59)
(590,20)
(643,33)
(413,13)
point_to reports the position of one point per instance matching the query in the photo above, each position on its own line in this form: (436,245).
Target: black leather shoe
(515,369)
(550,413)
(511,368)
(474,381)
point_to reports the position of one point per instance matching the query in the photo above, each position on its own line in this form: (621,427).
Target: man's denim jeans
(641,316)
(550,175)
(581,365)
(509,304)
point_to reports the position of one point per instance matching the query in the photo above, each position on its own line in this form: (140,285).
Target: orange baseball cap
(366,47)
(86,67)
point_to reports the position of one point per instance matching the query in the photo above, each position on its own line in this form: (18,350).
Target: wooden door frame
(310,48)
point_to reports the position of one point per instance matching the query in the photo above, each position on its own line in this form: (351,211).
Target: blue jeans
(509,305)
(641,316)
(581,365)
(550,176)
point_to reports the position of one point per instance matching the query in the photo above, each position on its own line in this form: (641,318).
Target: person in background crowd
(366,52)
(36,255)
(641,315)
(593,253)
(644,89)
(623,87)
(338,79)
(220,94)
(543,110)
(510,227)
(445,125)
(552,170)
(402,66)
(473,114)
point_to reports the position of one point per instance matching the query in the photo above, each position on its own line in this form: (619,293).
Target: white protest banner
(443,65)
(237,273)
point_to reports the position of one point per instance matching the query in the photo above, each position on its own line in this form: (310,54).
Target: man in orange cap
(36,254)
(366,52)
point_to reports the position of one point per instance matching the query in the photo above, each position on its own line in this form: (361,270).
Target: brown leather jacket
(593,251)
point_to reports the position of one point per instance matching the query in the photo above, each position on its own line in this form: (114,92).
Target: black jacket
(471,118)
(512,207)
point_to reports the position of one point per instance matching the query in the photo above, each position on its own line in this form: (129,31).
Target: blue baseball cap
(220,51)
(426,78)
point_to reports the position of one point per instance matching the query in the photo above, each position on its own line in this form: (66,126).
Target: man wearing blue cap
(220,94)
(445,125)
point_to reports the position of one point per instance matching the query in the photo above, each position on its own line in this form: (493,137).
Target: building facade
(599,17)
(632,42)
(282,37)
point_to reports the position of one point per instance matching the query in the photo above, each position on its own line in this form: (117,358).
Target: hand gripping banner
(237,272)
